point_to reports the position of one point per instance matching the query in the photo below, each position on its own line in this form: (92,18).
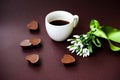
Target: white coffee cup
(60,32)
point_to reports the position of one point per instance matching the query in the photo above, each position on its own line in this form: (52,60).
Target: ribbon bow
(106,32)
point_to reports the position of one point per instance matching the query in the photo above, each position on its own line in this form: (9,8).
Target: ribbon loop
(96,41)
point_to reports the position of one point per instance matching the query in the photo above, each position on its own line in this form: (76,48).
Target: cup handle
(76,19)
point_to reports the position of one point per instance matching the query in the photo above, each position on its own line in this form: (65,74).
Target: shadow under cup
(59,25)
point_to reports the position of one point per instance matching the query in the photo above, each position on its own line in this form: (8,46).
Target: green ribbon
(106,32)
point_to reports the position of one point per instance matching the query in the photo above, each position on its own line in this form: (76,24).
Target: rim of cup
(53,12)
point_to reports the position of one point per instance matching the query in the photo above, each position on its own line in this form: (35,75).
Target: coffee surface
(59,22)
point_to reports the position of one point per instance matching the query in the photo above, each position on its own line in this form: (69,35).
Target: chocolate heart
(35,41)
(67,59)
(32,25)
(32,58)
(25,43)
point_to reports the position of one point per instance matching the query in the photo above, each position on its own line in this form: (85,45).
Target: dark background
(103,64)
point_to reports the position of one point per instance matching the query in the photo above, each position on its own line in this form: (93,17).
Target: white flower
(69,47)
(76,36)
(76,44)
(79,53)
(73,48)
(72,42)
(80,44)
(85,52)
(85,36)
(69,39)
(73,51)
(78,39)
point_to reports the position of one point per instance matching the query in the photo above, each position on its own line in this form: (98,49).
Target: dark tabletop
(103,64)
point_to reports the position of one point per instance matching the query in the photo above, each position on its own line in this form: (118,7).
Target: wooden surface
(103,64)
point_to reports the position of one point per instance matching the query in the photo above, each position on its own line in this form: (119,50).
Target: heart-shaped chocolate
(32,58)
(25,43)
(32,25)
(67,59)
(35,41)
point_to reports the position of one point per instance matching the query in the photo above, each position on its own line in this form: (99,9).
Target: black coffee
(59,22)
